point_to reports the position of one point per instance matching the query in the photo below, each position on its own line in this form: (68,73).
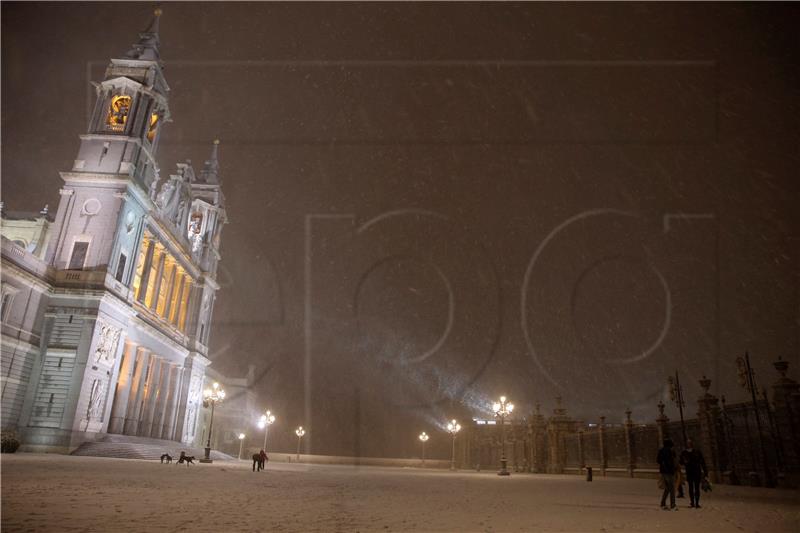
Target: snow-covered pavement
(64,493)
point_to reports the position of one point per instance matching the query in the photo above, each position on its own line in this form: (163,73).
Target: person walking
(695,465)
(667,465)
(264,460)
(258,461)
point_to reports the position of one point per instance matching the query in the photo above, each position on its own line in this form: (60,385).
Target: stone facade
(107,305)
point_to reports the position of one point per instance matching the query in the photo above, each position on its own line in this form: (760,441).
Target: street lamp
(453,427)
(299,432)
(747,379)
(676,395)
(266,420)
(502,409)
(423,437)
(211,397)
(241,444)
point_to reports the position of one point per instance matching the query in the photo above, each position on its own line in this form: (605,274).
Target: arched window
(118,111)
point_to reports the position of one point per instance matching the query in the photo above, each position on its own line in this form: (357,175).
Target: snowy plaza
(66,493)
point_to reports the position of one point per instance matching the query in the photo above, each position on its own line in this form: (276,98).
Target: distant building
(106,307)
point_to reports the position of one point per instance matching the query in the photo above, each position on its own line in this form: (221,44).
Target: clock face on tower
(118,112)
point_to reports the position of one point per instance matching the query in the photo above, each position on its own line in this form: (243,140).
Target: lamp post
(211,397)
(453,427)
(747,379)
(241,444)
(423,437)
(501,410)
(299,432)
(266,420)
(676,395)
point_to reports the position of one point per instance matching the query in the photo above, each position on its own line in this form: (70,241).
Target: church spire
(147,47)
(210,172)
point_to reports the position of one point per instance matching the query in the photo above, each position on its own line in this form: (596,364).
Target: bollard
(588,473)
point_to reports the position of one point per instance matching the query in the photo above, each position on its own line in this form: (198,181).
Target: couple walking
(669,465)
(259,460)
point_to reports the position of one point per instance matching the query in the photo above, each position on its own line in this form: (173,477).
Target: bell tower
(130,109)
(116,161)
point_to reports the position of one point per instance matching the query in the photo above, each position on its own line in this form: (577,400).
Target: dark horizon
(524,199)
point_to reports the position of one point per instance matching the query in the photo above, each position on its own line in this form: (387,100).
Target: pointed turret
(147,47)
(210,172)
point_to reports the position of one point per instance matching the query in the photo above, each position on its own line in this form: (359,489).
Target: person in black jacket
(696,470)
(667,464)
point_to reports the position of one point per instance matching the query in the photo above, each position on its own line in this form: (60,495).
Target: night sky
(432,205)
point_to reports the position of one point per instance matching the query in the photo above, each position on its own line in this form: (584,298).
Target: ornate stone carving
(106,350)
(95,409)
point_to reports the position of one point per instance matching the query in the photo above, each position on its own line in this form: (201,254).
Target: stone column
(123,389)
(171,415)
(159,275)
(153,386)
(148,263)
(161,403)
(661,423)
(708,416)
(133,410)
(601,433)
(629,444)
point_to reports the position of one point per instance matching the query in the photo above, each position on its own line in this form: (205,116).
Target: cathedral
(107,303)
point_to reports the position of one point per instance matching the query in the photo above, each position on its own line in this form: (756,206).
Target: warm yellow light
(151,132)
(241,436)
(423,437)
(118,112)
(453,427)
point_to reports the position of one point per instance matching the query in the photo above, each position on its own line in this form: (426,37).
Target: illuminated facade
(106,307)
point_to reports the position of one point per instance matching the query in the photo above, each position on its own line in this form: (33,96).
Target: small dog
(188,459)
(166,458)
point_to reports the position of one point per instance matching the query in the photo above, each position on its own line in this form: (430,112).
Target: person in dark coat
(667,465)
(264,459)
(695,465)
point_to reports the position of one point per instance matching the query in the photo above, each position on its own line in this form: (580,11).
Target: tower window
(78,257)
(151,131)
(123,259)
(118,112)
(8,299)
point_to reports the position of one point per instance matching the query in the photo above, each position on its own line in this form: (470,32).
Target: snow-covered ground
(64,493)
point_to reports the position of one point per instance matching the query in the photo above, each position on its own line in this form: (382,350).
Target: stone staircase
(127,447)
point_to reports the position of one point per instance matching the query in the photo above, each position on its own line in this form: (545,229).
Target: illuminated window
(118,111)
(151,131)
